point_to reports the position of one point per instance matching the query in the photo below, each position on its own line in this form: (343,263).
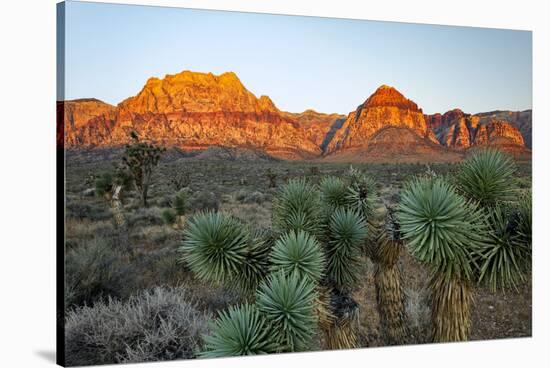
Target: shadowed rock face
(319,127)
(384,108)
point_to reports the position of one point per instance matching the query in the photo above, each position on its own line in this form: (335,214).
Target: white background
(27,181)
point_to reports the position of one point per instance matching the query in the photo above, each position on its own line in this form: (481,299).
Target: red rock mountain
(385,108)
(194,111)
(458,130)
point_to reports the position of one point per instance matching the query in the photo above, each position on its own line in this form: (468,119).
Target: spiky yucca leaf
(256,264)
(297,207)
(361,194)
(301,253)
(487,177)
(288,305)
(333,193)
(346,234)
(215,246)
(440,227)
(525,220)
(239,331)
(507,257)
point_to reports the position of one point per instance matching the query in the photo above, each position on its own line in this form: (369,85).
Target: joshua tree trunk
(120,219)
(340,328)
(451,299)
(390,296)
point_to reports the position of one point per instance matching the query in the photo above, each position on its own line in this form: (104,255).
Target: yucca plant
(256,265)
(487,176)
(446,232)
(507,258)
(298,252)
(241,330)
(297,207)
(361,194)
(333,193)
(345,235)
(215,247)
(287,302)
(388,282)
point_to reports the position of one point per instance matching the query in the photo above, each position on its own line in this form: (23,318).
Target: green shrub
(169,216)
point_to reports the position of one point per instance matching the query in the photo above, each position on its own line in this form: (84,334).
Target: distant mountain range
(194,111)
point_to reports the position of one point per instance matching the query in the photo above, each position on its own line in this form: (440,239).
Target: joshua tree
(140,158)
(445,232)
(180,180)
(242,330)
(388,281)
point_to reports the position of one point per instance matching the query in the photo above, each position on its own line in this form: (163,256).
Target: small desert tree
(446,232)
(140,158)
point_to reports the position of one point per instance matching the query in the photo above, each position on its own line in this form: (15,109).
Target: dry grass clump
(159,324)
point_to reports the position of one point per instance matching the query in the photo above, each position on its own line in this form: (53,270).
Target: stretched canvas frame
(225,212)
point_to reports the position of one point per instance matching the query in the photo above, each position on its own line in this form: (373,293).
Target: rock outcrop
(458,130)
(319,127)
(386,107)
(194,111)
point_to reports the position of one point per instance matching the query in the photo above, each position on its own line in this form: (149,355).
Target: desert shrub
(145,216)
(244,196)
(204,201)
(81,210)
(160,324)
(168,216)
(95,271)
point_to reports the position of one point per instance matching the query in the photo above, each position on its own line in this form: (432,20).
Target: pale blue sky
(330,65)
